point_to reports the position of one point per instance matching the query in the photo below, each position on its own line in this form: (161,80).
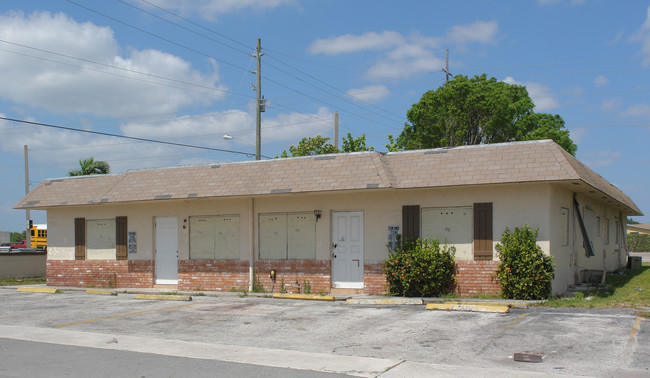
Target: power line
(128,137)
(181,26)
(156,36)
(110,66)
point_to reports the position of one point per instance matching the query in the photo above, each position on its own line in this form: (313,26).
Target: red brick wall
(472,277)
(476,277)
(226,275)
(99,273)
(374,279)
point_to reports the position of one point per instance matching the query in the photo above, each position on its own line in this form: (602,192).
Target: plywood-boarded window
(121,238)
(451,226)
(100,243)
(564,225)
(607,230)
(287,236)
(483,231)
(214,237)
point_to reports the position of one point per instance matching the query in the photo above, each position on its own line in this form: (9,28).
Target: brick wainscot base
(472,277)
(100,273)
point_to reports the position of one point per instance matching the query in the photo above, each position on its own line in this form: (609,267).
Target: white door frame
(347,249)
(166,252)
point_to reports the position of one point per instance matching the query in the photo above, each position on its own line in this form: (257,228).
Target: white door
(347,249)
(166,250)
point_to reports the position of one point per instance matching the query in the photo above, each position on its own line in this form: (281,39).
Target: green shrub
(525,271)
(638,242)
(420,269)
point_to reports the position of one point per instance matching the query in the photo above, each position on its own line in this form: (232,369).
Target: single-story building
(329,220)
(638,229)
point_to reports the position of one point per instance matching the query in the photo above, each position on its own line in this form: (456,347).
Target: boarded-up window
(607,230)
(100,235)
(301,236)
(564,225)
(451,226)
(80,238)
(121,238)
(287,236)
(411,222)
(214,237)
(617,232)
(483,231)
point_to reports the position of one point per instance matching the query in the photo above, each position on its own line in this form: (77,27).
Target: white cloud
(405,61)
(643,36)
(542,95)
(77,86)
(638,110)
(349,43)
(479,31)
(601,158)
(371,93)
(578,134)
(405,56)
(212,9)
(611,104)
(601,80)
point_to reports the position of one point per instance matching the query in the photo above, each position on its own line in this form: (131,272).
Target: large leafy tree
(320,145)
(477,110)
(90,166)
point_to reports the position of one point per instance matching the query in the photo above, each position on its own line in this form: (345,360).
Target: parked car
(22,244)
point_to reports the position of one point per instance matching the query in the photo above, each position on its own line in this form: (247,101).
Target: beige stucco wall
(571,257)
(513,205)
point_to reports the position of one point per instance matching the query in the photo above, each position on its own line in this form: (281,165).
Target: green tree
(357,144)
(90,166)
(320,145)
(632,221)
(16,237)
(477,110)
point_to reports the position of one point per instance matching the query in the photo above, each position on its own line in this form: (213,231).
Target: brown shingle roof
(535,161)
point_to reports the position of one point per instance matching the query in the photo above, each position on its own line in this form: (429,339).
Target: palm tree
(91,166)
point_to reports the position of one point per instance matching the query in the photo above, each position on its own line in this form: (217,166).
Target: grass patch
(631,289)
(10,281)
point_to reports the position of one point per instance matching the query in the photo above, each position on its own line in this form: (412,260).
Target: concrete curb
(309,297)
(100,292)
(385,301)
(46,290)
(492,303)
(468,307)
(164,297)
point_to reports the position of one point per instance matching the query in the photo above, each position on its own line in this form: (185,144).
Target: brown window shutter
(80,238)
(483,231)
(410,222)
(121,238)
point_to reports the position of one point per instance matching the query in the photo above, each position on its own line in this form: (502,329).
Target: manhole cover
(527,357)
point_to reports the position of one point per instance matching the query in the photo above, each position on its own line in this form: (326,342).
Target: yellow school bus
(38,236)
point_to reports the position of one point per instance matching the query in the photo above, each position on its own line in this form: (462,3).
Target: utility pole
(336,130)
(447,65)
(27,238)
(260,101)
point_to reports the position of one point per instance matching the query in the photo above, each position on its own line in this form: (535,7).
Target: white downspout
(251,243)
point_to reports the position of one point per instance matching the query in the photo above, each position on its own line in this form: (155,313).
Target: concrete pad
(46,290)
(100,292)
(164,297)
(467,307)
(309,297)
(385,301)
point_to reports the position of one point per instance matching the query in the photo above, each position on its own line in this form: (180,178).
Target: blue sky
(134,68)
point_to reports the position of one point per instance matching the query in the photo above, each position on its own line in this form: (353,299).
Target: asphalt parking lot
(361,340)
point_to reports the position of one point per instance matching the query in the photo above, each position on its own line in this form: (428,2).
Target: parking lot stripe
(498,335)
(630,341)
(122,315)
